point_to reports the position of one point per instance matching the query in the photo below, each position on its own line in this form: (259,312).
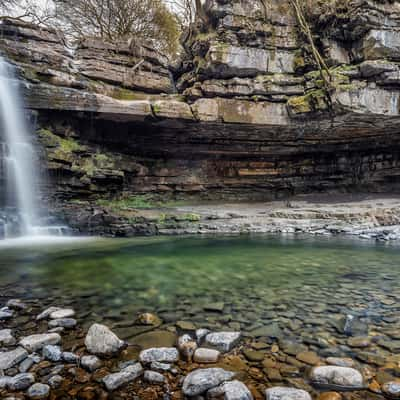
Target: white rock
(201,380)
(101,341)
(16,304)
(68,323)
(91,363)
(223,341)
(348,378)
(159,354)
(6,313)
(286,393)
(47,312)
(6,337)
(201,334)
(70,357)
(187,346)
(55,381)
(128,374)
(10,358)
(62,313)
(157,366)
(153,377)
(234,390)
(205,356)
(52,353)
(4,381)
(21,381)
(37,342)
(38,391)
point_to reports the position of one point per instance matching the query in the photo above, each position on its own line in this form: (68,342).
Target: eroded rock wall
(246,115)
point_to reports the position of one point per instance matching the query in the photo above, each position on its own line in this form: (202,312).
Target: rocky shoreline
(359,216)
(59,359)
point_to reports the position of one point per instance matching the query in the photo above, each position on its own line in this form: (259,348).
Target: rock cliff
(246,114)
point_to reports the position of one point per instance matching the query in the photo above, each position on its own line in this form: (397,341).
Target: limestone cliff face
(245,115)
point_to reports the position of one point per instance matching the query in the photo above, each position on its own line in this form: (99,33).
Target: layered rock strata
(246,115)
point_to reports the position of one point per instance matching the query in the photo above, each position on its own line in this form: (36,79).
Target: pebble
(62,313)
(157,366)
(160,354)
(343,377)
(70,357)
(186,326)
(234,390)
(148,319)
(6,314)
(21,381)
(6,337)
(47,312)
(52,353)
(205,356)
(101,341)
(330,396)
(286,393)
(201,380)
(187,346)
(154,377)
(10,358)
(308,357)
(91,363)
(16,304)
(128,374)
(37,342)
(253,355)
(38,391)
(55,381)
(201,334)
(223,341)
(359,342)
(391,389)
(68,323)
(341,362)
(26,364)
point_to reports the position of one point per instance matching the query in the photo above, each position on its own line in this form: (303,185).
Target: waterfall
(22,174)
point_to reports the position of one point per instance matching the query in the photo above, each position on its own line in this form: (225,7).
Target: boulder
(38,391)
(10,358)
(154,377)
(91,363)
(101,341)
(201,380)
(128,374)
(286,393)
(159,354)
(340,377)
(223,341)
(6,337)
(21,381)
(234,390)
(205,356)
(37,342)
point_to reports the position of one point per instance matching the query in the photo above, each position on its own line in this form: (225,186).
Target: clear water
(309,283)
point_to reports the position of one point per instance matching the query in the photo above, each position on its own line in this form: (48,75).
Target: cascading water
(22,174)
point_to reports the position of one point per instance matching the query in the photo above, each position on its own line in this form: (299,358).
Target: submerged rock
(62,313)
(10,358)
(91,363)
(37,342)
(223,341)
(391,389)
(45,314)
(204,356)
(6,337)
(159,354)
(201,380)
(154,377)
(128,374)
(101,341)
(38,391)
(21,381)
(341,377)
(68,323)
(234,390)
(52,353)
(286,393)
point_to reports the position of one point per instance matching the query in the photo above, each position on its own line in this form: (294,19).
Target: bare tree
(114,20)
(40,13)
